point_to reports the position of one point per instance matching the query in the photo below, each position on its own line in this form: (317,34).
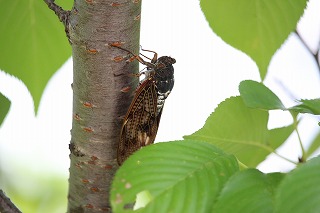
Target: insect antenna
(145,56)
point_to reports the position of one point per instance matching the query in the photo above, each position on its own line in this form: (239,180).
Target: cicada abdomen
(142,119)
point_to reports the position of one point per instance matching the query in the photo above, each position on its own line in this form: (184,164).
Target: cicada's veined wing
(141,122)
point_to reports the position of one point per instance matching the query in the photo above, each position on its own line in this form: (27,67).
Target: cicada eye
(172,60)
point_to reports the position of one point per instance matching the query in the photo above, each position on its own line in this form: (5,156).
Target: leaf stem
(295,123)
(284,158)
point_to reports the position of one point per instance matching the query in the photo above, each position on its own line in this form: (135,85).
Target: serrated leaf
(4,107)
(257,95)
(307,106)
(315,144)
(183,176)
(241,131)
(256,27)
(299,191)
(248,191)
(33,43)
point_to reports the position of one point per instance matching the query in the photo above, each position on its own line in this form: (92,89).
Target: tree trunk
(101,94)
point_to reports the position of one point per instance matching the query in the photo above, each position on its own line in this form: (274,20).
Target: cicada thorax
(164,79)
(142,119)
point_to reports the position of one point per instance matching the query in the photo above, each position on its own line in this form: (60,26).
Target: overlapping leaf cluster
(194,175)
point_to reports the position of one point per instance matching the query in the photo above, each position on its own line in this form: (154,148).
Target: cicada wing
(127,144)
(153,129)
(140,124)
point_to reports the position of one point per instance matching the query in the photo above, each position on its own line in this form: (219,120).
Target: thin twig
(62,14)
(315,55)
(6,205)
(295,123)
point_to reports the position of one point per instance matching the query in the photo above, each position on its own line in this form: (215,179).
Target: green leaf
(183,176)
(278,135)
(257,95)
(4,107)
(308,106)
(33,43)
(256,27)
(241,131)
(315,144)
(300,189)
(248,191)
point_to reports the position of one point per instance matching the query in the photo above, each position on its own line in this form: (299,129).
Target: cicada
(142,119)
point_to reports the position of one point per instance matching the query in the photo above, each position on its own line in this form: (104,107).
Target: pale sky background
(207,71)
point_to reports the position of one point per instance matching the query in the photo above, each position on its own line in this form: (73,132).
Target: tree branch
(315,55)
(62,14)
(6,205)
(100,74)
(99,97)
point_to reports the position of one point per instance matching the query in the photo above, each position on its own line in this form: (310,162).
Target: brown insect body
(142,119)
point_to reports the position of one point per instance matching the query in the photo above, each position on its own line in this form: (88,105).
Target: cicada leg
(155,56)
